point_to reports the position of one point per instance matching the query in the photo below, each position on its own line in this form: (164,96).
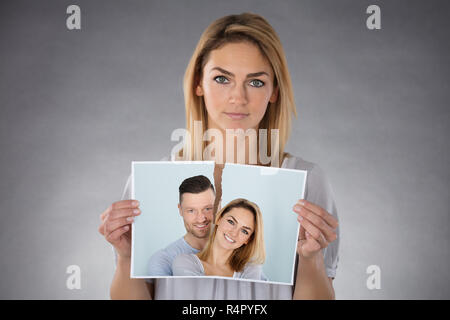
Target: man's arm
(124,288)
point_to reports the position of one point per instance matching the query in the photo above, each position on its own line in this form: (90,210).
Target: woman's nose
(238,95)
(234,232)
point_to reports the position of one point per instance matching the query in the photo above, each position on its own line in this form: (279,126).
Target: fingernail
(130,219)
(300,218)
(135,203)
(297,208)
(301,202)
(136,211)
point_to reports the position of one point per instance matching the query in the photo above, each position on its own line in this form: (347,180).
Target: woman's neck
(219,256)
(233,148)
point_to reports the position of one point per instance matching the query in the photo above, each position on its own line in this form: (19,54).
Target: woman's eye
(245,232)
(221,79)
(256,83)
(231,222)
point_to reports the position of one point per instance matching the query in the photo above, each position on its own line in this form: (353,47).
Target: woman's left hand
(317,228)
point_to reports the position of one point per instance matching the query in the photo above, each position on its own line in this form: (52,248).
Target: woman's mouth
(236,116)
(229,239)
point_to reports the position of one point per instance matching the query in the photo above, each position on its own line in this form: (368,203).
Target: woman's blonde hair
(237,28)
(254,251)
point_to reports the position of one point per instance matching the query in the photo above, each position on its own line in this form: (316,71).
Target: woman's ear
(199,91)
(274,96)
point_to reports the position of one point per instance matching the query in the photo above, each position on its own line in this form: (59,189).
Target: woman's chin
(238,128)
(236,124)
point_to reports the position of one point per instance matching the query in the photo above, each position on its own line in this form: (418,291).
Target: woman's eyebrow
(245,227)
(250,75)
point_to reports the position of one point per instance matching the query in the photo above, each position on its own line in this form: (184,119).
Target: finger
(327,231)
(112,226)
(105,213)
(125,204)
(101,229)
(331,220)
(311,245)
(311,229)
(126,212)
(116,234)
(323,242)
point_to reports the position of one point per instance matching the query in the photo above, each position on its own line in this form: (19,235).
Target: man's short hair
(195,184)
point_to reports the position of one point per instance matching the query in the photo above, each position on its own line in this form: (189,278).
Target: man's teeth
(229,239)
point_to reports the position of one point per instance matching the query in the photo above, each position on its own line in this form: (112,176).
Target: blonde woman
(238,78)
(235,247)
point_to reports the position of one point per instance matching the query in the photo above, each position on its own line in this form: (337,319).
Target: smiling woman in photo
(235,248)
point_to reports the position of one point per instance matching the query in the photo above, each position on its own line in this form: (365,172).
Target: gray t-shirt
(318,190)
(189,265)
(160,263)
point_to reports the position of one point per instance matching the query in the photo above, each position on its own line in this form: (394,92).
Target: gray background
(78,106)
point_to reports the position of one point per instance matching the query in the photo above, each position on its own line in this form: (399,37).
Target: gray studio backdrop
(78,106)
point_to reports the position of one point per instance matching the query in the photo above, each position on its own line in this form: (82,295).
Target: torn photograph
(227,221)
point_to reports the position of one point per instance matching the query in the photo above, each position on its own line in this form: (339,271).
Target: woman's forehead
(242,215)
(239,58)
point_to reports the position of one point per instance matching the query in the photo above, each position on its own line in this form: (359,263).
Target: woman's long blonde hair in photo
(231,29)
(254,251)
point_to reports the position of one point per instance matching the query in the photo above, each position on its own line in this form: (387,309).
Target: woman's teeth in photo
(229,239)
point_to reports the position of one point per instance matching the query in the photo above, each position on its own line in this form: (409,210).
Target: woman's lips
(236,116)
(228,239)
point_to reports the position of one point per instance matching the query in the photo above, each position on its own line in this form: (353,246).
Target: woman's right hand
(116,225)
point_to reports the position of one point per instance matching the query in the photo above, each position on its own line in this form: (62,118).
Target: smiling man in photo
(196,207)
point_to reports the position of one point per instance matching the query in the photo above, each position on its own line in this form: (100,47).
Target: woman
(235,247)
(238,78)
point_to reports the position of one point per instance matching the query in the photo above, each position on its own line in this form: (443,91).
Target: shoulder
(161,259)
(187,259)
(297,163)
(318,188)
(174,249)
(160,263)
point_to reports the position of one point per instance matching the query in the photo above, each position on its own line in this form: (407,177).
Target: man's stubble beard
(199,235)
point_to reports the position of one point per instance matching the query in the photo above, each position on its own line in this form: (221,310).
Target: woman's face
(237,85)
(235,228)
